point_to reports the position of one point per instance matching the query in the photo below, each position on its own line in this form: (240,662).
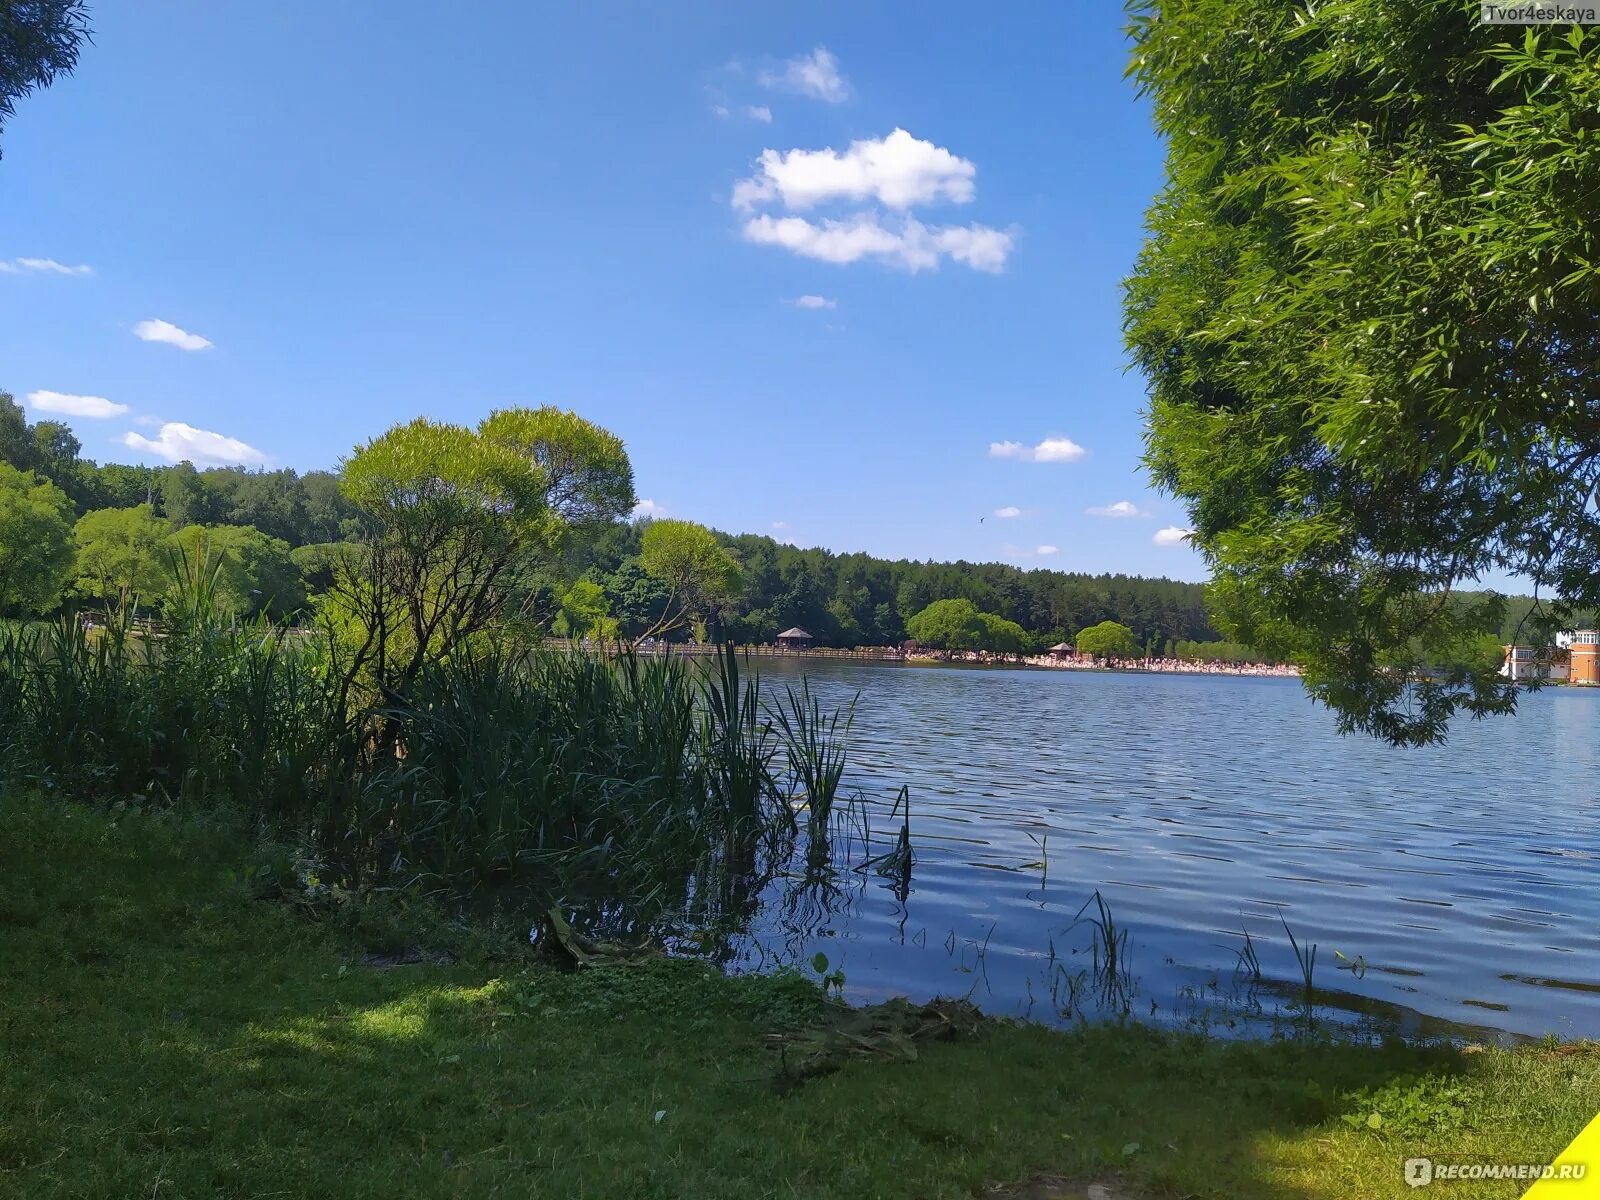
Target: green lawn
(164,1035)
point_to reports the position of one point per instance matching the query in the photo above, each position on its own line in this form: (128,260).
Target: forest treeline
(279,530)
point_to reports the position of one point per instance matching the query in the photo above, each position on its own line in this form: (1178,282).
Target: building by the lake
(1575,658)
(1584,656)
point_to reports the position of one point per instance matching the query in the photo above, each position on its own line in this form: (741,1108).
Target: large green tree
(120,554)
(1108,639)
(452,516)
(35,541)
(954,624)
(701,578)
(1369,314)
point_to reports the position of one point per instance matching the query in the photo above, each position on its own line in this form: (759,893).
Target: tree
(999,634)
(583,612)
(39,39)
(454,514)
(35,541)
(251,572)
(949,625)
(119,554)
(1368,311)
(700,576)
(1108,639)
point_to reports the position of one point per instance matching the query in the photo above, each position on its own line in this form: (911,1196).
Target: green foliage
(1001,635)
(700,576)
(958,625)
(35,541)
(454,516)
(583,612)
(1108,639)
(1367,311)
(949,625)
(1412,1106)
(39,39)
(119,554)
(254,572)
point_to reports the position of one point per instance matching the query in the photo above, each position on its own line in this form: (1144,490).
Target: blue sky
(302,223)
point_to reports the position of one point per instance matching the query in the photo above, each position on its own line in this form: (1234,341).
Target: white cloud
(815,302)
(914,246)
(759,112)
(815,74)
(177,442)
(48,266)
(166,331)
(898,171)
(1044,550)
(96,407)
(1053,449)
(648,508)
(1122,508)
(1010,510)
(780,524)
(1172,535)
(719,110)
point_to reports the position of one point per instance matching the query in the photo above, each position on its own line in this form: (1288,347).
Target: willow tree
(452,516)
(1369,314)
(702,579)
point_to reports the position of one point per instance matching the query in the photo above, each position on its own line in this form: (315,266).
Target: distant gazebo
(1063,650)
(795,639)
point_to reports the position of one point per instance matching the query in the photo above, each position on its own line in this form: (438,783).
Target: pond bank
(165,1033)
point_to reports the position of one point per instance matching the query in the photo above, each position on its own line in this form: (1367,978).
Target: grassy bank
(164,1033)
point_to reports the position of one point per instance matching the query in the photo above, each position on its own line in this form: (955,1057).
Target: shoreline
(893,656)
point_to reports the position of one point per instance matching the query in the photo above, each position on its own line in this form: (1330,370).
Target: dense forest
(278,531)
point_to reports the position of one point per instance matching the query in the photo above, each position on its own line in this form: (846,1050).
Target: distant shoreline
(889,655)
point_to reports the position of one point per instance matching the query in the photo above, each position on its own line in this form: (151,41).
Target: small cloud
(1045,550)
(815,302)
(96,407)
(780,524)
(759,112)
(166,331)
(1009,511)
(1172,535)
(719,110)
(648,509)
(815,74)
(1122,508)
(1053,449)
(178,442)
(46,266)
(908,243)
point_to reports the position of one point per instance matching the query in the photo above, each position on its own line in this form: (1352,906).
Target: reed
(621,786)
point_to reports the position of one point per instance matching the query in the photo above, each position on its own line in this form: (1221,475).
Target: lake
(1452,890)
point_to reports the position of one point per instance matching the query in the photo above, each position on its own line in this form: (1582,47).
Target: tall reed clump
(814,745)
(611,783)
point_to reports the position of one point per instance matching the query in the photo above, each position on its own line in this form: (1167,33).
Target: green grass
(163,1034)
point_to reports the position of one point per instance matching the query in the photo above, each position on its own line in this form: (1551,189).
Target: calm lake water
(1461,883)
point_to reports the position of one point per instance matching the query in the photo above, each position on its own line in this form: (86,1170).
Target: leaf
(1375,1121)
(819,962)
